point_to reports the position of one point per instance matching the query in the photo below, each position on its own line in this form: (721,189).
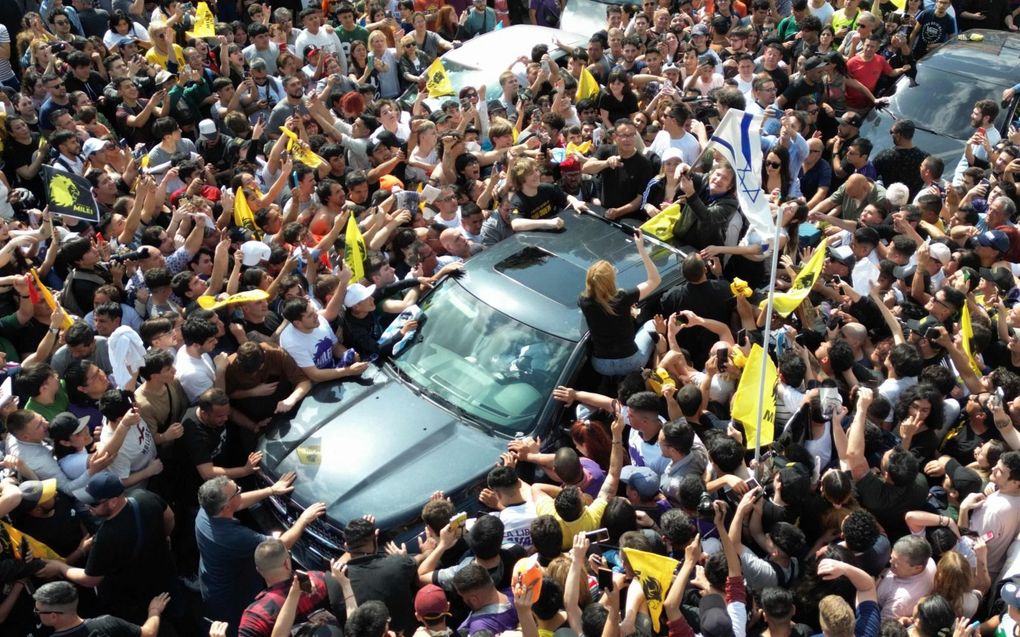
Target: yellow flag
(299,152)
(48,297)
(207,302)
(656,574)
(354,250)
(661,225)
(243,216)
(786,302)
(583,148)
(744,407)
(586,86)
(438,84)
(205,23)
(966,332)
(39,550)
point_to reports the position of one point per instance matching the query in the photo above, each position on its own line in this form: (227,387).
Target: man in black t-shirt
(130,561)
(56,604)
(208,443)
(708,298)
(391,579)
(806,83)
(624,171)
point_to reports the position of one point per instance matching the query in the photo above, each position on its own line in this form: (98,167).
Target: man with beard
(625,172)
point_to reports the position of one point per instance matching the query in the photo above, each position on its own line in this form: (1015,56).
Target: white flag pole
(766,337)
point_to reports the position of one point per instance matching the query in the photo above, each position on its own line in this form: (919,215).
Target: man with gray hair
(56,605)
(910,577)
(226,572)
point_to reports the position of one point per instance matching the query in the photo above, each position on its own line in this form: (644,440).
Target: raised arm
(612,483)
(858,464)
(652,277)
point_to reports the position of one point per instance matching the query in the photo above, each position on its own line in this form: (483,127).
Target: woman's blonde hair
(600,285)
(407,39)
(954,578)
(376,35)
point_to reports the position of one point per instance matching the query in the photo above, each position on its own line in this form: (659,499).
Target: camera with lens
(705,506)
(137,255)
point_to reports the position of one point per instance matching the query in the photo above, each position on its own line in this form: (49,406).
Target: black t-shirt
(198,445)
(266,328)
(712,300)
(621,185)
(549,200)
(889,503)
(390,579)
(798,89)
(17,155)
(612,335)
(901,165)
(778,75)
(102,626)
(131,553)
(618,109)
(61,531)
(960,441)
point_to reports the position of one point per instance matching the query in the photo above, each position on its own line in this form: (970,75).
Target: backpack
(67,298)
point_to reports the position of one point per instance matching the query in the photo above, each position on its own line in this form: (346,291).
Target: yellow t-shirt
(589,520)
(155,57)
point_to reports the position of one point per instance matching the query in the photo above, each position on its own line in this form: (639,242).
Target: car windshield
(482,362)
(949,114)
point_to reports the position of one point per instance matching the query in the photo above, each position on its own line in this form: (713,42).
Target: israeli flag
(738,139)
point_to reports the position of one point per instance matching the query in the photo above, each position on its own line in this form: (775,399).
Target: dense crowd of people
(232,148)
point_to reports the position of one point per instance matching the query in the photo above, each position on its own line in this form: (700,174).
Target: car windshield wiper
(459,411)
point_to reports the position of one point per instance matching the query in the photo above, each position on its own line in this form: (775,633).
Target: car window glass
(948,115)
(492,367)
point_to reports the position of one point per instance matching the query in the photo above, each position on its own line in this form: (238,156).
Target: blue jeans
(633,363)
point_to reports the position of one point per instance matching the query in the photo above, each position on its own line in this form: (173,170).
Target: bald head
(453,242)
(855,333)
(857,186)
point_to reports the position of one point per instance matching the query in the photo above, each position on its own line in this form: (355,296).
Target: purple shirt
(497,618)
(594,476)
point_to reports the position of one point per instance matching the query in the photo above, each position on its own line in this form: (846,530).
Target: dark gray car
(493,345)
(939,101)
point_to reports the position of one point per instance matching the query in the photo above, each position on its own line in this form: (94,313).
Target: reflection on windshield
(485,363)
(941,101)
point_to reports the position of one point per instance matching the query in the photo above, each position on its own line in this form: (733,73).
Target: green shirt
(49,412)
(348,37)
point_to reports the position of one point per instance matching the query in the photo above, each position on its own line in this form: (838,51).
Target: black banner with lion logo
(70,195)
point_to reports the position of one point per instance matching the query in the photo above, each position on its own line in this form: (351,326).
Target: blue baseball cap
(641,479)
(102,486)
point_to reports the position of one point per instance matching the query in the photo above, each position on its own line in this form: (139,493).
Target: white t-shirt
(314,349)
(687,145)
(517,523)
(646,454)
(195,374)
(322,40)
(137,451)
(823,12)
(127,354)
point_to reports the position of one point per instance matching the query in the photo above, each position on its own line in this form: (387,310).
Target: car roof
(500,48)
(996,59)
(536,277)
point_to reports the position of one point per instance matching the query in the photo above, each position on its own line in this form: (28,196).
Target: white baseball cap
(356,293)
(254,253)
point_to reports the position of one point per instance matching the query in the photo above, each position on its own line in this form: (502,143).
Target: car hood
(876,128)
(378,448)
